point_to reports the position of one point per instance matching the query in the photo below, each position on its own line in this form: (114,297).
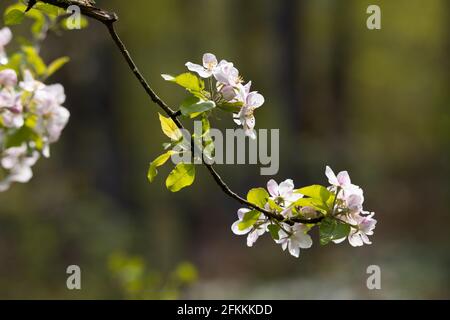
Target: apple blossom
(208,68)
(283,193)
(18,162)
(253,231)
(227,74)
(42,105)
(296,239)
(365,226)
(8,78)
(245,117)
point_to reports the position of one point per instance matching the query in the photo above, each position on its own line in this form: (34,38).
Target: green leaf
(56,65)
(234,107)
(208,142)
(169,128)
(13,17)
(48,9)
(35,60)
(258,196)
(22,135)
(274,206)
(320,193)
(249,219)
(182,176)
(197,108)
(332,229)
(187,80)
(274,229)
(162,159)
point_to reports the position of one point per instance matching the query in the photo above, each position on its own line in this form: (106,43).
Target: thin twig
(108,19)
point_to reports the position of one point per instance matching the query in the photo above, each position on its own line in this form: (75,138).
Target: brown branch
(108,19)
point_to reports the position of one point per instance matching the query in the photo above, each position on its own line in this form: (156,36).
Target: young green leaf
(318,192)
(13,17)
(197,108)
(187,80)
(274,231)
(35,60)
(274,206)
(49,9)
(233,107)
(169,128)
(249,219)
(332,229)
(182,176)
(258,196)
(56,65)
(162,159)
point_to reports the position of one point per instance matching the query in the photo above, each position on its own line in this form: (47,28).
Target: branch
(108,19)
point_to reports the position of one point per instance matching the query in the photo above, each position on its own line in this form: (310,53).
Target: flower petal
(209,61)
(286,188)
(255,100)
(272,187)
(332,179)
(343,178)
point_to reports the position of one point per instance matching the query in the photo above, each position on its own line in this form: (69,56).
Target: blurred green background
(375,103)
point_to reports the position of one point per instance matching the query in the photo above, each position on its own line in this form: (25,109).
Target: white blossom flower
(342,180)
(296,239)
(5,38)
(209,65)
(11,108)
(283,193)
(29,83)
(226,74)
(366,225)
(254,232)
(56,122)
(351,194)
(18,163)
(8,78)
(245,117)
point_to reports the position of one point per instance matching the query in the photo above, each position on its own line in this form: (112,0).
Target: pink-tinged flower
(5,38)
(351,194)
(49,97)
(11,108)
(342,179)
(254,232)
(366,225)
(57,121)
(8,78)
(245,117)
(363,227)
(283,193)
(209,65)
(226,74)
(18,162)
(29,83)
(296,239)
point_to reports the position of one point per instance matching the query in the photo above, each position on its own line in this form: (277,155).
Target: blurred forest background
(375,103)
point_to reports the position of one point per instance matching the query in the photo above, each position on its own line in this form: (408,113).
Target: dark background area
(375,103)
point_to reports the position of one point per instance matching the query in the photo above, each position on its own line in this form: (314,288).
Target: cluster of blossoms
(230,88)
(31,118)
(339,206)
